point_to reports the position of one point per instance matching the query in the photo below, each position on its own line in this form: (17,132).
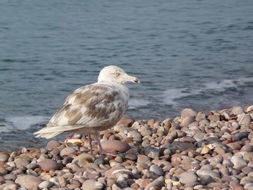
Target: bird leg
(102,151)
(90,142)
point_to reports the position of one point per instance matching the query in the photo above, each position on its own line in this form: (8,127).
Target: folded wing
(90,106)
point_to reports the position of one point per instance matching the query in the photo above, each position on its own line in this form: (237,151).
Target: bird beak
(129,78)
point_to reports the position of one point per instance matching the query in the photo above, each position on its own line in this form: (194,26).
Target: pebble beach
(192,151)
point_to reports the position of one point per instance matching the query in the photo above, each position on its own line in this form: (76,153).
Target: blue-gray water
(195,53)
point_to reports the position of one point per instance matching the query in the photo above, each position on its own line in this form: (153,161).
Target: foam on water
(22,122)
(171,96)
(137,103)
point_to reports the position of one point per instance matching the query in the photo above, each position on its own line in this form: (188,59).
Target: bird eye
(117,74)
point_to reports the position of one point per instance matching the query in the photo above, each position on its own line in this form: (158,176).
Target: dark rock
(240,136)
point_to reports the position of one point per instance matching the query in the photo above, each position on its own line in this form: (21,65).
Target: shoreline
(192,151)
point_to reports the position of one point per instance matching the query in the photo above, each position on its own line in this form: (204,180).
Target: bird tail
(51,131)
(46,135)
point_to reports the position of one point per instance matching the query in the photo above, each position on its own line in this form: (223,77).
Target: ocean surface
(196,54)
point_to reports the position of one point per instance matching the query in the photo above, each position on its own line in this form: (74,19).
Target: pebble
(46,184)
(244,119)
(238,162)
(83,159)
(67,151)
(4,156)
(208,172)
(240,136)
(235,186)
(53,144)
(200,116)
(156,169)
(115,145)
(28,181)
(188,178)
(48,164)
(236,110)
(156,184)
(248,186)
(152,152)
(187,112)
(125,121)
(187,120)
(21,162)
(2,170)
(92,185)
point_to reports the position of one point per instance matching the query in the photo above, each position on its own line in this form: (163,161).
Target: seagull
(92,108)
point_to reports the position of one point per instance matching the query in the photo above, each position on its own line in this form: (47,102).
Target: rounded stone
(152,152)
(187,120)
(238,162)
(67,151)
(4,156)
(92,185)
(156,169)
(248,186)
(187,112)
(53,144)
(188,178)
(21,162)
(135,135)
(28,181)
(115,145)
(248,156)
(48,164)
(236,110)
(83,159)
(156,184)
(45,184)
(208,172)
(3,171)
(145,131)
(126,121)
(244,119)
(11,177)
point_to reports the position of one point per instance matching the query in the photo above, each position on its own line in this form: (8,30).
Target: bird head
(114,73)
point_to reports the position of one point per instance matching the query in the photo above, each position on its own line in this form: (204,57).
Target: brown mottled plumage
(93,107)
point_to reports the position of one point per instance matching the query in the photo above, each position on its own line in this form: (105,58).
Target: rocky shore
(192,151)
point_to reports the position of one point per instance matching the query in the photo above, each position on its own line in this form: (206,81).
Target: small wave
(171,96)
(137,103)
(23,122)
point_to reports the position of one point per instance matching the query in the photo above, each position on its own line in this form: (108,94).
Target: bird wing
(90,106)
